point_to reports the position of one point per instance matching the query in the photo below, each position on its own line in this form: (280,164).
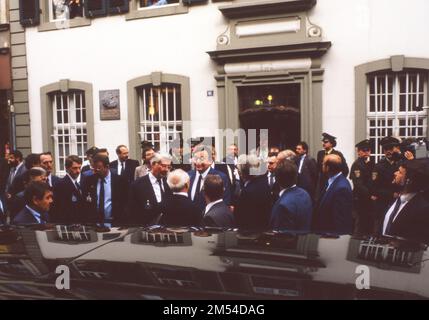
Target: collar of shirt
(204,174)
(181,194)
(35,214)
(73,180)
(1,207)
(332,179)
(211,204)
(301,162)
(284,190)
(19,166)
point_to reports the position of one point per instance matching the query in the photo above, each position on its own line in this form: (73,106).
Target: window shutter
(191,2)
(118,6)
(95,8)
(29,12)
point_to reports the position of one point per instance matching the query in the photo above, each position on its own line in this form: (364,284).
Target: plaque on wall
(109,105)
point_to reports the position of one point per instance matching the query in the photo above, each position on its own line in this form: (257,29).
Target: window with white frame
(143,4)
(160,114)
(65,9)
(395,104)
(69,126)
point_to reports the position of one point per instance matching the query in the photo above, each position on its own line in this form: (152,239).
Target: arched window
(158,106)
(67,120)
(391,100)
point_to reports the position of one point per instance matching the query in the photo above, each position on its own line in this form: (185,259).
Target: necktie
(198,189)
(78,187)
(271,181)
(160,188)
(122,168)
(393,215)
(101,200)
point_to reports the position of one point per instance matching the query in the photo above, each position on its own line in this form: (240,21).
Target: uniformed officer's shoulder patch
(357,173)
(374,175)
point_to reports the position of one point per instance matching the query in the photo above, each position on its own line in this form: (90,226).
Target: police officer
(329,143)
(360,174)
(383,191)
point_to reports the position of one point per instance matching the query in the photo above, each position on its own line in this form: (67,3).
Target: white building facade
(353,68)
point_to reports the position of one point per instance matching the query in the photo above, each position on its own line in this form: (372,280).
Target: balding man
(334,213)
(179,209)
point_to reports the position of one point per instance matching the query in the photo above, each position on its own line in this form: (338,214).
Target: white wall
(362,31)
(112,51)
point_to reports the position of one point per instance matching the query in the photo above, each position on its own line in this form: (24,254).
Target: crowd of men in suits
(284,190)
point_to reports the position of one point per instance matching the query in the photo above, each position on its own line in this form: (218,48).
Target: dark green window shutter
(118,6)
(191,2)
(95,8)
(29,12)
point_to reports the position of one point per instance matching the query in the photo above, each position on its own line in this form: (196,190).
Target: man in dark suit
(179,209)
(307,170)
(148,194)
(38,199)
(293,210)
(329,143)
(271,175)
(203,161)
(253,208)
(334,212)
(17,168)
(360,174)
(105,193)
(408,216)
(47,163)
(31,161)
(217,213)
(69,203)
(17,202)
(124,166)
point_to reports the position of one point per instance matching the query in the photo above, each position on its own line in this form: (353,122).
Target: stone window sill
(156,12)
(66,24)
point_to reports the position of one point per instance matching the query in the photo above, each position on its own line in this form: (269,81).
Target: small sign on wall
(109,105)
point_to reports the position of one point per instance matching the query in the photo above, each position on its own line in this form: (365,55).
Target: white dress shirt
(301,163)
(181,194)
(197,177)
(120,167)
(284,190)
(405,198)
(156,187)
(269,176)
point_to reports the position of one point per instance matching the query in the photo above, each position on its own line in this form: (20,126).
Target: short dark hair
(303,144)
(417,175)
(118,148)
(101,158)
(17,154)
(273,154)
(35,189)
(33,172)
(91,151)
(72,158)
(32,160)
(213,187)
(102,150)
(286,173)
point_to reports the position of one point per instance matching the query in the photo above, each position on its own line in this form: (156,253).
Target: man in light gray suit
(217,213)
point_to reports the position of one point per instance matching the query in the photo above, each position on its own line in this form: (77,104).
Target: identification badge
(357,173)
(374,176)
(74,198)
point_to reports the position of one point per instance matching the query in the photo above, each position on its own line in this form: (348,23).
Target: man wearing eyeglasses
(149,194)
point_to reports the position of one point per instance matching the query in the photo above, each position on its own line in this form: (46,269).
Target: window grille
(69,127)
(160,114)
(395,107)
